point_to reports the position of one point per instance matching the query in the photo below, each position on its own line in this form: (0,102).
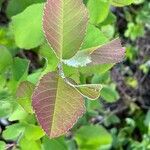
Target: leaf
(6,108)
(86,70)
(12,132)
(16,6)
(6,103)
(109,94)
(18,114)
(64,24)
(81,58)
(36,131)
(26,144)
(50,57)
(90,91)
(121,3)
(27,27)
(20,68)
(35,76)
(108,31)
(93,137)
(94,37)
(112,52)
(98,10)
(109,53)
(57,144)
(24,93)
(5,58)
(2,145)
(57,105)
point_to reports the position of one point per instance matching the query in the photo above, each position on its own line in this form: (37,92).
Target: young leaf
(90,91)
(57,105)
(64,23)
(112,52)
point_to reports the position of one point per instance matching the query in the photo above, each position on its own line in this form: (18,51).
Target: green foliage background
(25,56)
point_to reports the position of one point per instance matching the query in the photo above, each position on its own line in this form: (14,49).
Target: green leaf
(94,37)
(98,10)
(56,144)
(5,58)
(35,76)
(54,112)
(71,72)
(64,24)
(20,69)
(16,6)
(111,19)
(6,108)
(50,57)
(24,93)
(18,114)
(2,145)
(6,103)
(108,31)
(33,132)
(27,27)
(101,78)
(12,132)
(26,144)
(134,31)
(109,94)
(93,105)
(121,3)
(89,70)
(93,137)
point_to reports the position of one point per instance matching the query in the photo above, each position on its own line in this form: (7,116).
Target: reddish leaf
(57,105)
(110,53)
(64,23)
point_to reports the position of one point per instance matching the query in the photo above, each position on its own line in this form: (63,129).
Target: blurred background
(119,119)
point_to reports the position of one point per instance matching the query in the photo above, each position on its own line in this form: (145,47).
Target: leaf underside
(110,53)
(57,105)
(113,52)
(64,24)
